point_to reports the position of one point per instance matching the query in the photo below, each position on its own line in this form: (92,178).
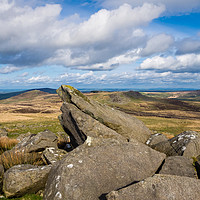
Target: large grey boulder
(184,144)
(23,179)
(180,166)
(87,173)
(160,186)
(122,123)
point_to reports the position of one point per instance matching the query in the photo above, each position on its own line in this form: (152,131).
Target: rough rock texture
(180,166)
(87,173)
(51,155)
(156,138)
(160,187)
(122,123)
(39,142)
(22,179)
(185,144)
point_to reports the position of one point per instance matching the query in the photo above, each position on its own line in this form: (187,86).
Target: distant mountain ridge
(12,94)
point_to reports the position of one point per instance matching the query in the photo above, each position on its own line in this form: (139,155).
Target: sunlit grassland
(170,126)
(34,126)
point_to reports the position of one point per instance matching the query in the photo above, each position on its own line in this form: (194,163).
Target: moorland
(169,113)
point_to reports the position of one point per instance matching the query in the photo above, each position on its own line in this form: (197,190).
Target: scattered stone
(87,173)
(185,144)
(122,123)
(51,155)
(39,142)
(156,138)
(180,166)
(24,179)
(159,187)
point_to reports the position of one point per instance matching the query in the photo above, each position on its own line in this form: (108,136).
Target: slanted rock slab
(122,123)
(24,179)
(160,186)
(87,173)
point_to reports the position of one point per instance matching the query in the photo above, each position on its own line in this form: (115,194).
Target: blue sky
(100,44)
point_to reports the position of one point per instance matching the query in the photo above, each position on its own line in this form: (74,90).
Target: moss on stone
(76,92)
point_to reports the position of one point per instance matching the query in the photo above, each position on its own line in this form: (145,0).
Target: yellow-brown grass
(7,143)
(20,156)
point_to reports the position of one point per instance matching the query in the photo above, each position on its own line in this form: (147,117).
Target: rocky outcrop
(159,187)
(23,179)
(180,166)
(88,172)
(75,102)
(79,126)
(184,144)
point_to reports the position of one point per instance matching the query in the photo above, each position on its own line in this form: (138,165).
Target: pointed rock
(124,124)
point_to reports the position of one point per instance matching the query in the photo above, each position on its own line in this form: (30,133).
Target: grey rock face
(160,186)
(122,123)
(180,166)
(22,179)
(185,144)
(39,142)
(80,125)
(87,173)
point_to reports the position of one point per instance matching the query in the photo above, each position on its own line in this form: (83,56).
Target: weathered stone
(180,166)
(23,179)
(87,173)
(122,123)
(156,138)
(80,125)
(185,144)
(23,136)
(39,142)
(160,186)
(51,155)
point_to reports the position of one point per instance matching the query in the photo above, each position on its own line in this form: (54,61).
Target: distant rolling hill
(12,94)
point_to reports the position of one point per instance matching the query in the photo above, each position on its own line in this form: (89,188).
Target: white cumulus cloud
(182,63)
(38,36)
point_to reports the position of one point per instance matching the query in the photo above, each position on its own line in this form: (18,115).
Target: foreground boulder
(87,173)
(185,144)
(180,166)
(165,187)
(23,179)
(122,123)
